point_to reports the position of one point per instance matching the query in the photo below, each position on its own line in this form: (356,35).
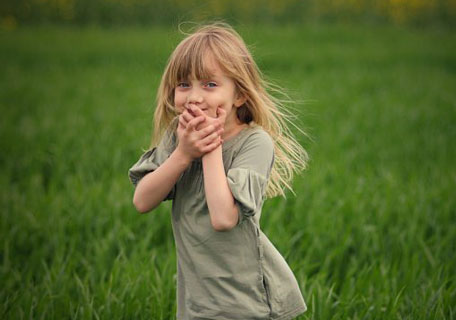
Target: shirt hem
(292,314)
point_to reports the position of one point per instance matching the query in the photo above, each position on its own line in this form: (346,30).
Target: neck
(233,129)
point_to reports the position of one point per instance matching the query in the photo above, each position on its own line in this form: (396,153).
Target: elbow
(224,226)
(225,222)
(140,206)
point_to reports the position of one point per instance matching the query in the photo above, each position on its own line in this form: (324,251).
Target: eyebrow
(211,77)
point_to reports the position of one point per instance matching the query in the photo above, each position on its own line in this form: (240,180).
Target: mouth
(188,107)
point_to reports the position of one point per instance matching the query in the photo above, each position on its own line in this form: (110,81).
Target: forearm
(222,208)
(156,185)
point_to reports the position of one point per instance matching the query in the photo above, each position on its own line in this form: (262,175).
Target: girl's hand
(195,143)
(194,111)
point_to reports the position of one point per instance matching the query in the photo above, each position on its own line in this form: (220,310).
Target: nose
(195,96)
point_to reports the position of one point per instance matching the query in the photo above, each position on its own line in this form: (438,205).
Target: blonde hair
(265,110)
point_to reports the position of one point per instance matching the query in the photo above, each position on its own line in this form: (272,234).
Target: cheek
(219,101)
(178,99)
(178,104)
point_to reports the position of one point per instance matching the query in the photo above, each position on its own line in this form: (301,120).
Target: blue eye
(183,85)
(211,84)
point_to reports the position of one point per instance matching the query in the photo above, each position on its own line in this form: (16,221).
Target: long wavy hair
(261,107)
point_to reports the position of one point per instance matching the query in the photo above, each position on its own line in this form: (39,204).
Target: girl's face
(209,94)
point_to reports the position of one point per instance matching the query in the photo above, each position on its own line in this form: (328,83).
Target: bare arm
(153,188)
(222,208)
(223,211)
(156,185)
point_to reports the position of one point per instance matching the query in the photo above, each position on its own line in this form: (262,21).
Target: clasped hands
(199,133)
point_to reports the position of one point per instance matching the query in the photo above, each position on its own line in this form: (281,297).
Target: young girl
(221,146)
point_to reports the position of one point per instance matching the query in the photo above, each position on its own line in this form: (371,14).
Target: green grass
(371,233)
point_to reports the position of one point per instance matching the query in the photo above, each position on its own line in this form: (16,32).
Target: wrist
(214,153)
(181,158)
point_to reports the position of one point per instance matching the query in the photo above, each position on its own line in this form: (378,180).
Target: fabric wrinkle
(235,274)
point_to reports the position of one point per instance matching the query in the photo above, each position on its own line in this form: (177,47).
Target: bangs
(189,60)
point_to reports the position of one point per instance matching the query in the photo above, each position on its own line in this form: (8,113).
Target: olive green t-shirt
(235,274)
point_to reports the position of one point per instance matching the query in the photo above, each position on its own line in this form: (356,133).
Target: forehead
(211,65)
(201,66)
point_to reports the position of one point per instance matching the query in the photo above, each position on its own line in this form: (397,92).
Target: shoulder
(254,151)
(254,142)
(258,138)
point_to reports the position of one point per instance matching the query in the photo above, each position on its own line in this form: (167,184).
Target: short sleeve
(151,160)
(249,173)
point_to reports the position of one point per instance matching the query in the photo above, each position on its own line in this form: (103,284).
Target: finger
(218,124)
(187,116)
(182,122)
(182,117)
(206,131)
(194,122)
(214,136)
(197,111)
(190,111)
(219,132)
(212,146)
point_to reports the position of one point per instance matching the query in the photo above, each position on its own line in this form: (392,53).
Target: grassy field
(371,233)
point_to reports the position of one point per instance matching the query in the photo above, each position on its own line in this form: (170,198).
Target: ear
(240,100)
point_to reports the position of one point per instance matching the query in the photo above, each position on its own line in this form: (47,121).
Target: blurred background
(370,233)
(166,12)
